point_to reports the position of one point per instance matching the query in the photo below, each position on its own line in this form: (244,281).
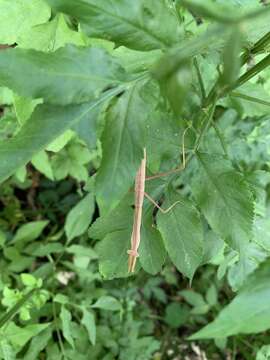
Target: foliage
(85,87)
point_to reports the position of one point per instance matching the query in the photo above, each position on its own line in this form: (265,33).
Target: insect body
(136,231)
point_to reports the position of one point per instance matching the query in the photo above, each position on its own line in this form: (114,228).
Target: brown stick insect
(139,197)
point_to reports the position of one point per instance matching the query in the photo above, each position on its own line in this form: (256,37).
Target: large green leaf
(249,311)
(182,233)
(69,75)
(224,198)
(140,24)
(122,140)
(45,125)
(17,17)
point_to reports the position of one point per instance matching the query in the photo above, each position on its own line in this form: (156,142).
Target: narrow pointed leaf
(69,75)
(66,318)
(122,140)
(88,320)
(79,218)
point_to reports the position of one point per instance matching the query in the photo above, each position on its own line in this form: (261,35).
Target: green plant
(86,85)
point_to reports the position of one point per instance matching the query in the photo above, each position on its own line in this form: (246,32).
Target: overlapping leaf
(69,75)
(114,230)
(182,233)
(141,25)
(17,17)
(225,199)
(45,125)
(249,311)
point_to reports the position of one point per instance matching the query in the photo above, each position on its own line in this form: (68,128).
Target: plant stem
(258,46)
(200,79)
(250,98)
(255,70)
(62,349)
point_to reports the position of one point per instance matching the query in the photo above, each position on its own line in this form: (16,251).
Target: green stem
(255,70)
(250,98)
(257,48)
(200,79)
(221,139)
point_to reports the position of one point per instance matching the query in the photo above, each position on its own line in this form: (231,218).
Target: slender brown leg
(164,211)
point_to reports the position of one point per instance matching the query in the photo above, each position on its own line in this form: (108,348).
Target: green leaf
(24,107)
(224,198)
(71,161)
(66,317)
(134,61)
(46,124)
(69,75)
(134,24)
(88,320)
(124,133)
(112,254)
(29,280)
(29,232)
(248,312)
(17,17)
(80,250)
(60,142)
(263,353)
(250,258)
(8,353)
(212,296)
(42,163)
(51,36)
(120,218)
(193,298)
(151,249)
(181,230)
(6,96)
(79,217)
(107,303)
(176,315)
(38,343)
(19,336)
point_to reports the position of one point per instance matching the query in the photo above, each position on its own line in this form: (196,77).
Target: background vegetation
(85,85)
